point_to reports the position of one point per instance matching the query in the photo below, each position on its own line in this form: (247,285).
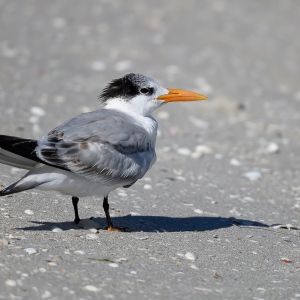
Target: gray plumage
(106,146)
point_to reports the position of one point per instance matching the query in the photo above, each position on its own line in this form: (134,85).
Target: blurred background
(232,160)
(56,56)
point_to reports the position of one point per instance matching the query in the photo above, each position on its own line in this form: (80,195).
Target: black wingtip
(11,189)
(4,192)
(19,146)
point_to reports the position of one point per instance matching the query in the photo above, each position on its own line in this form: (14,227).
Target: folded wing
(105,146)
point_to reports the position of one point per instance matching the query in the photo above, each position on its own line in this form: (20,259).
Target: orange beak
(180,95)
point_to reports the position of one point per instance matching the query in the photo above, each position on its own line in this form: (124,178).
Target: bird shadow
(155,224)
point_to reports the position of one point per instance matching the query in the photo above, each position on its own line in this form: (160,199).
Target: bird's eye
(145,91)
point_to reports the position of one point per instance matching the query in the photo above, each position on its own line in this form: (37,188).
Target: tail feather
(19,152)
(19,186)
(9,190)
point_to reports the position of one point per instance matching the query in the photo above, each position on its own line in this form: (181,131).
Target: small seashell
(79,252)
(184,151)
(122,194)
(56,229)
(287,226)
(235,162)
(142,238)
(290,226)
(190,256)
(133,213)
(14,237)
(272,148)
(42,270)
(286,260)
(193,266)
(148,187)
(10,282)
(91,288)
(203,149)
(37,111)
(92,236)
(31,251)
(253,175)
(121,259)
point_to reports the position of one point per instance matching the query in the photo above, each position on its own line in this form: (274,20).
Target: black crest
(125,87)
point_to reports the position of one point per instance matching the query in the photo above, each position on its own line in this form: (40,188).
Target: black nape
(126,87)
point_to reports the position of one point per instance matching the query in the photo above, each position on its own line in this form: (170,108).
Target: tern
(97,152)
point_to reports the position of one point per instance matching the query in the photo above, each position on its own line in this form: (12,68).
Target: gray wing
(104,146)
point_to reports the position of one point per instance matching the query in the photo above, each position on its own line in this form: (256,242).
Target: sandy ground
(202,220)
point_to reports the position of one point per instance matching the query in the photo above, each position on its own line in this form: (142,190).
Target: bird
(96,152)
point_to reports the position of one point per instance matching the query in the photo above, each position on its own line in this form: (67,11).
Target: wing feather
(106,146)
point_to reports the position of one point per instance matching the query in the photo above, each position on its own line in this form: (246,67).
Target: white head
(141,95)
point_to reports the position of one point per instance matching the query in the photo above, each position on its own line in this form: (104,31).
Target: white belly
(49,178)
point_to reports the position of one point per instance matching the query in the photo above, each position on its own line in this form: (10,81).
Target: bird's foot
(116,229)
(77,221)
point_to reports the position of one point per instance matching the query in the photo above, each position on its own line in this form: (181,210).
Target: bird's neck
(138,106)
(147,122)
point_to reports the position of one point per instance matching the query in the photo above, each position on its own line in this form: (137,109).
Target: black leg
(75,201)
(106,210)
(108,219)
